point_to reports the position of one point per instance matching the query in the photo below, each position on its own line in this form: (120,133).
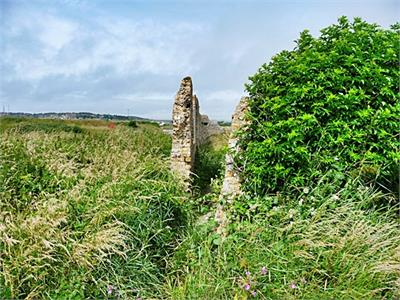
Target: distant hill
(74,115)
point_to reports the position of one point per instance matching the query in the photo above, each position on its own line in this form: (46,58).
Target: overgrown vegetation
(338,250)
(330,105)
(319,216)
(209,163)
(92,214)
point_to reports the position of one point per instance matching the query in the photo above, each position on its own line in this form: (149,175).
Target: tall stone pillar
(182,153)
(190,130)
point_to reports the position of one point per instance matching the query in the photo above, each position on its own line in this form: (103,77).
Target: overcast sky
(110,56)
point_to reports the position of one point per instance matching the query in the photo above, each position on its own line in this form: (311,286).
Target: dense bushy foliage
(132,124)
(327,106)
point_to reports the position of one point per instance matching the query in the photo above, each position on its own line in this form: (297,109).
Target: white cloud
(56,33)
(60,46)
(145,97)
(223,96)
(220,104)
(110,56)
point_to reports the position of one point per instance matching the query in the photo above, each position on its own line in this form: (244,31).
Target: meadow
(90,209)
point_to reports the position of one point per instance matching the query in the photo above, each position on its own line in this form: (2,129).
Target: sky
(120,56)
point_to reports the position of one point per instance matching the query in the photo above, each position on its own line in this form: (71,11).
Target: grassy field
(89,209)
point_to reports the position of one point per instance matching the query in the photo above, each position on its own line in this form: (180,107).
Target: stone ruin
(231,184)
(190,130)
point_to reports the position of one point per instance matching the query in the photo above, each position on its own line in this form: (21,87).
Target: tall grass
(96,214)
(335,250)
(89,214)
(209,165)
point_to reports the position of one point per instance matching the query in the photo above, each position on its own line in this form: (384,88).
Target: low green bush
(329,106)
(151,123)
(132,124)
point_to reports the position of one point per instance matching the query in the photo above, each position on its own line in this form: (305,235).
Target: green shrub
(329,105)
(132,124)
(151,123)
(76,129)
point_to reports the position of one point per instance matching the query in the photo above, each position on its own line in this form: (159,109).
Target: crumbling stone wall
(190,130)
(183,150)
(196,122)
(231,184)
(207,128)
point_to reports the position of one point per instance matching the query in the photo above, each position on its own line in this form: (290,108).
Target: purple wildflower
(248,273)
(247,287)
(254,293)
(110,289)
(293,285)
(264,270)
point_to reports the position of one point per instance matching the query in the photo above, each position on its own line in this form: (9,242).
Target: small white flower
(306,190)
